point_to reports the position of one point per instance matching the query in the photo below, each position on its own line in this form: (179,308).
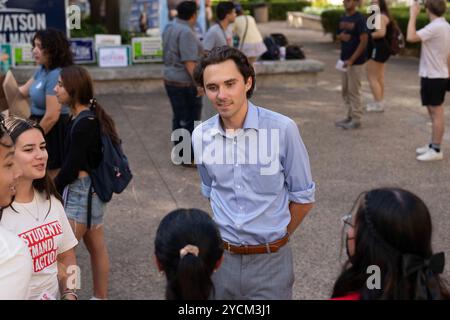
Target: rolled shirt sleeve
(297,169)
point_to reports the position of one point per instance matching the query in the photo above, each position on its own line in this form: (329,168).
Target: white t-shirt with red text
(15,267)
(46,238)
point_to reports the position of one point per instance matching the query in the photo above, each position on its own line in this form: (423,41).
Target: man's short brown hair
(436,7)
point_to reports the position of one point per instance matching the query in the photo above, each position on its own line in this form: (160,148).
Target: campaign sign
(20,19)
(144,15)
(105,40)
(117,56)
(83,50)
(5,57)
(22,55)
(146,49)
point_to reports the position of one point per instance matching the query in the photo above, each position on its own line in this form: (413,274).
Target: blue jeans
(76,203)
(186,107)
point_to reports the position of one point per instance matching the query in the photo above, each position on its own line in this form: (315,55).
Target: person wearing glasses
(389,230)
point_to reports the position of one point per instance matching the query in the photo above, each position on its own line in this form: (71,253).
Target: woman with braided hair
(188,249)
(390,228)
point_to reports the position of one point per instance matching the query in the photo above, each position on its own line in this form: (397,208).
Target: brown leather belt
(179,84)
(256,249)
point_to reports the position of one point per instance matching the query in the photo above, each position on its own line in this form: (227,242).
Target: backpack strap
(82,115)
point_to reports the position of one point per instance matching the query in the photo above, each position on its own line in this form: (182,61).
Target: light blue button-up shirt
(251,175)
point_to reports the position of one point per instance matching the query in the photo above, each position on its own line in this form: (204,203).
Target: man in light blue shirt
(255,170)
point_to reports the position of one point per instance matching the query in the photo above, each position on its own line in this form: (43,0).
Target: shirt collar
(251,121)
(184,22)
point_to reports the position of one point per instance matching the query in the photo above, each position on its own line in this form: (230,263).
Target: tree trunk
(95,11)
(113,16)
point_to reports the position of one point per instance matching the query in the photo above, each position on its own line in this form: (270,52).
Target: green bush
(330,20)
(88,30)
(277,8)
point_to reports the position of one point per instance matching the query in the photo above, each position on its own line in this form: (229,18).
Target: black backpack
(273,50)
(280,39)
(294,52)
(113,174)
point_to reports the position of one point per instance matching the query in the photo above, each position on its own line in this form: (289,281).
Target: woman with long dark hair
(82,154)
(188,248)
(51,50)
(15,259)
(37,215)
(379,51)
(389,230)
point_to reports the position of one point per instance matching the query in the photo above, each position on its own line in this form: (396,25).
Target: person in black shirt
(352,32)
(82,154)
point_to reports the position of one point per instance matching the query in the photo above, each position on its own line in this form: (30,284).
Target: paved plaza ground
(344,163)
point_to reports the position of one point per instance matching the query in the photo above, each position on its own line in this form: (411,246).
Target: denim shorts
(76,202)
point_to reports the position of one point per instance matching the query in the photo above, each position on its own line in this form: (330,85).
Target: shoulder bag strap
(245,33)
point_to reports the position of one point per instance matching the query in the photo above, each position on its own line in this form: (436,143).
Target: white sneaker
(431,155)
(375,107)
(422,150)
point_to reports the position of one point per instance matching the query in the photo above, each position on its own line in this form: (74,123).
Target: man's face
(350,5)
(226,88)
(231,17)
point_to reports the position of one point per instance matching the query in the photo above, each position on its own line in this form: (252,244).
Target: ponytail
(192,280)
(107,124)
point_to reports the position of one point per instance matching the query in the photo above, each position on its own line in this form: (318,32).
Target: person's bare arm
(190,66)
(65,260)
(298,213)
(363,38)
(411,35)
(52,113)
(380,33)
(448,63)
(25,89)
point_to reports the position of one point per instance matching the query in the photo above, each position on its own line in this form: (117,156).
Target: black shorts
(378,51)
(432,91)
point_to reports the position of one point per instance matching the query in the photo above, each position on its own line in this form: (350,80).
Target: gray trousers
(267,276)
(351,91)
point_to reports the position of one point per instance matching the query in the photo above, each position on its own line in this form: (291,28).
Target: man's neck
(432,17)
(224,24)
(350,12)
(237,121)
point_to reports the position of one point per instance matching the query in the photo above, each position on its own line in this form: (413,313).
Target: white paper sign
(340,66)
(104,40)
(114,56)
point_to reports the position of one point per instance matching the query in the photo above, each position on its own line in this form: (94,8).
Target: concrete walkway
(344,163)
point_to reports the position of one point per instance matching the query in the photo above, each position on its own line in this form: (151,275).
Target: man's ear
(248,84)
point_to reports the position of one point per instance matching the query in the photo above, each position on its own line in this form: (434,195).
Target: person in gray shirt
(221,34)
(181,52)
